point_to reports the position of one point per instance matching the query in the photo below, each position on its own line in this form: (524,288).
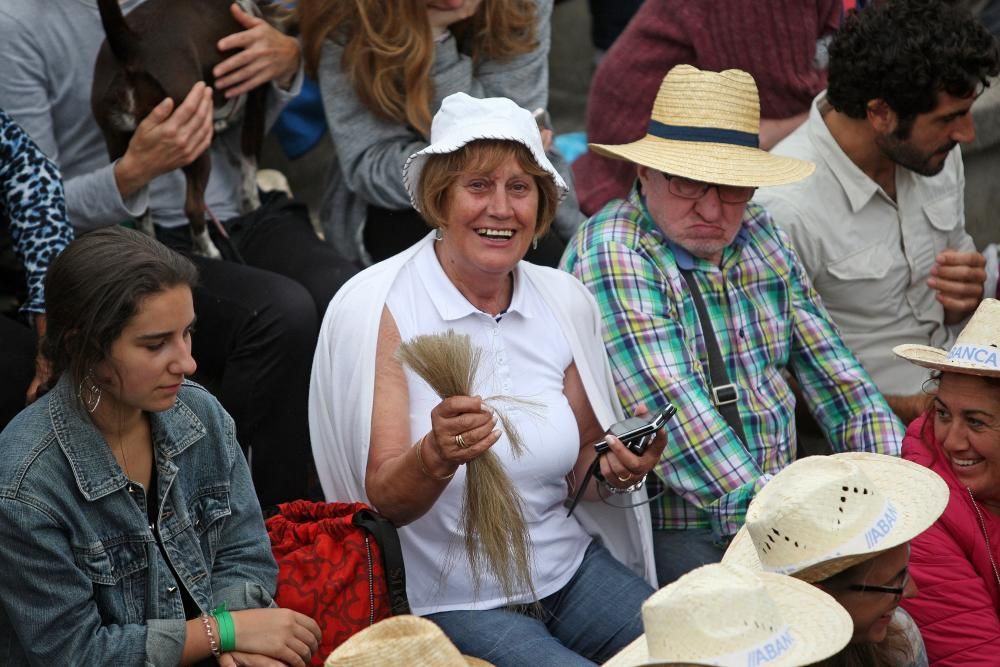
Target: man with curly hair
(880,225)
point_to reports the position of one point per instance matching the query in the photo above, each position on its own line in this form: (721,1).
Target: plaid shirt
(773,320)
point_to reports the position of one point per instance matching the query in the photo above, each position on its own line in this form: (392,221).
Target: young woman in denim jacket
(127,513)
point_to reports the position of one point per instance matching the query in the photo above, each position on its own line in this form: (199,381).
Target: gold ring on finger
(625,478)
(460,441)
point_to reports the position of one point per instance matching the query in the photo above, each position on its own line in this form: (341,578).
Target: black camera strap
(723,393)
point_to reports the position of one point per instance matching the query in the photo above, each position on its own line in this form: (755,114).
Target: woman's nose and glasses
(903,580)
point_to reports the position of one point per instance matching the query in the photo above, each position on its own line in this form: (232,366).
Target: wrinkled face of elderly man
(702,218)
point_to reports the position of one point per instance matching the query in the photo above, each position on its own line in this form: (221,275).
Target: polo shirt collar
(449,302)
(857,185)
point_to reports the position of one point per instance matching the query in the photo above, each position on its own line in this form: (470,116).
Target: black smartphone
(637,432)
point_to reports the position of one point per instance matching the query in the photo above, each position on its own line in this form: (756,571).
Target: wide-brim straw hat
(728,616)
(976,350)
(823,514)
(400,640)
(463,119)
(706,126)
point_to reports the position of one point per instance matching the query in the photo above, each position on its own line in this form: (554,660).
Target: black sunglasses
(892,590)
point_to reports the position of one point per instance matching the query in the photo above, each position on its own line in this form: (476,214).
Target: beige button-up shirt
(869,257)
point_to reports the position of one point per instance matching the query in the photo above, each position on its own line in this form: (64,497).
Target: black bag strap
(723,393)
(392,556)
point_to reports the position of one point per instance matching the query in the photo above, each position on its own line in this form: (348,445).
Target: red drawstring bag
(339,563)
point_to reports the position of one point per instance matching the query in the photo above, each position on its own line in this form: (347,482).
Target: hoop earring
(93,398)
(438,234)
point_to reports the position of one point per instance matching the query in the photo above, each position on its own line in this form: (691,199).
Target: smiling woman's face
(967,426)
(491,220)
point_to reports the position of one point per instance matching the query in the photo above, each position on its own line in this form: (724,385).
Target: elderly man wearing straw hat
(706,306)
(880,225)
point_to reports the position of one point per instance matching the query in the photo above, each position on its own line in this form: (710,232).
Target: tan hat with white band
(823,514)
(728,616)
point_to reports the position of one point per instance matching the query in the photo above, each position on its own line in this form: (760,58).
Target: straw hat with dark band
(975,352)
(705,126)
(400,640)
(823,514)
(728,616)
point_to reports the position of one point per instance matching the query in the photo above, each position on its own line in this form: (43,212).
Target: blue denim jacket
(82,580)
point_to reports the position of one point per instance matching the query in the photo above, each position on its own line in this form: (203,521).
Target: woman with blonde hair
(383,67)
(381,434)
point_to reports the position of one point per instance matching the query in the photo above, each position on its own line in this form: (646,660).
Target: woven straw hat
(823,514)
(975,352)
(705,126)
(728,616)
(400,640)
(463,119)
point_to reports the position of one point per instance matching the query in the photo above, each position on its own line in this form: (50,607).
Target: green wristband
(227,630)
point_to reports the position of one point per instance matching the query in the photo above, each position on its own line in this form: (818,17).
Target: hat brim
(932,357)
(414,164)
(819,625)
(908,485)
(725,164)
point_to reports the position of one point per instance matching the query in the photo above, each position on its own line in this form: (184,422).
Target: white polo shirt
(525,354)
(868,256)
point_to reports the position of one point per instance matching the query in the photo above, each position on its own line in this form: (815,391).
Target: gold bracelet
(420,460)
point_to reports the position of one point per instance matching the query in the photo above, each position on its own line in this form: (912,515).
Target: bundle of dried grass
(496,536)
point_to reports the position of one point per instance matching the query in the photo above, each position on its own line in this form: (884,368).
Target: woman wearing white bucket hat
(487,187)
(730,616)
(844,522)
(955,561)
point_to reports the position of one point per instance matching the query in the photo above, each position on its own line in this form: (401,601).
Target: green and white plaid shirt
(766,317)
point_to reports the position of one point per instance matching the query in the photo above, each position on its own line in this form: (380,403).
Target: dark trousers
(258,319)
(388,232)
(17,366)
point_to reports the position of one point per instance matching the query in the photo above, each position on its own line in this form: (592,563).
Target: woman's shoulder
(30,428)
(360,291)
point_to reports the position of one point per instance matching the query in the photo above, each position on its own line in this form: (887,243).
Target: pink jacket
(957,608)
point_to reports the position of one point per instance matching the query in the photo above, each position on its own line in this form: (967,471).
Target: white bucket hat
(400,640)
(463,119)
(728,616)
(823,514)
(975,352)
(706,126)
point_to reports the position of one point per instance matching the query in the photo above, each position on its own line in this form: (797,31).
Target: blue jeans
(680,551)
(593,617)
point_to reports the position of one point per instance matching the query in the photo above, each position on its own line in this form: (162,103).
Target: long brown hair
(389,48)
(895,649)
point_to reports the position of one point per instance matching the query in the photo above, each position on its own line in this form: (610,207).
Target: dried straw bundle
(496,536)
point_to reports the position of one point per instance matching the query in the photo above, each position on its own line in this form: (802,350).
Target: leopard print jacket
(33,204)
